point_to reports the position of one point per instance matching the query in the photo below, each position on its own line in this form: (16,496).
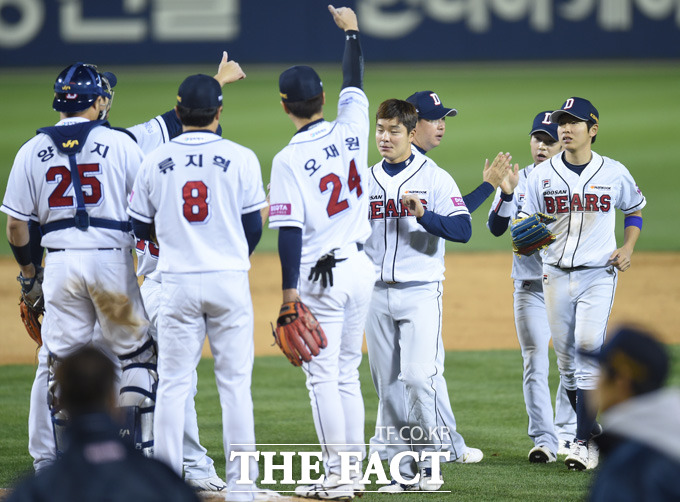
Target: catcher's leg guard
(139,380)
(59,416)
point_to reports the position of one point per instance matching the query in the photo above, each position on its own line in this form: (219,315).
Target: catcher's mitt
(298,333)
(531,234)
(32,305)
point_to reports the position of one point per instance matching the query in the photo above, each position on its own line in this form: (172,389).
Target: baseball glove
(531,234)
(298,333)
(32,305)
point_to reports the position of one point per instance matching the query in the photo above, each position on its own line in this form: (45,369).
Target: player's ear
(593,130)
(219,113)
(323,98)
(285,108)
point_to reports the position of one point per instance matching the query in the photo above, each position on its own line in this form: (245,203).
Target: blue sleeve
(141,230)
(34,236)
(352,61)
(475,198)
(252,226)
(499,224)
(290,252)
(452,228)
(172,123)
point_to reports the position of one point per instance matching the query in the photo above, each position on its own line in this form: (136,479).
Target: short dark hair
(86,382)
(306,109)
(196,117)
(403,111)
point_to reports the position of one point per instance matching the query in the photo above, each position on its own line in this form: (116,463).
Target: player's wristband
(22,254)
(505,208)
(632,221)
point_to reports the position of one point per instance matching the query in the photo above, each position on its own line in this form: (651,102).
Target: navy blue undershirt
(499,224)
(578,169)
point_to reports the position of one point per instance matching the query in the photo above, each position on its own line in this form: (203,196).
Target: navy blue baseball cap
(299,83)
(577,107)
(429,106)
(636,354)
(199,91)
(542,123)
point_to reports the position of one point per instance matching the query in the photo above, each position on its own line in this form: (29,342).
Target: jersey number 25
(335,205)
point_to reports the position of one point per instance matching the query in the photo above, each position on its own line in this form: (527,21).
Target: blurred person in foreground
(640,445)
(97,464)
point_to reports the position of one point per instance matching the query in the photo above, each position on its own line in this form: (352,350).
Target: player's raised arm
(352,59)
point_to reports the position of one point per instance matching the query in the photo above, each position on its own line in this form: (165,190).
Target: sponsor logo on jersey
(458,201)
(637,189)
(375,197)
(591,203)
(545,278)
(70,143)
(521,197)
(555,192)
(280,209)
(600,187)
(546,183)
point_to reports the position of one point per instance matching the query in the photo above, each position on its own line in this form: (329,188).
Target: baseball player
(581,189)
(203,194)
(414,206)
(531,322)
(198,466)
(429,133)
(73,180)
(319,205)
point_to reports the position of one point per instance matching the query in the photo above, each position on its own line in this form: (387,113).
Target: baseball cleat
(359,488)
(395,487)
(471,456)
(564,447)
(427,483)
(330,489)
(577,460)
(593,454)
(211,484)
(541,455)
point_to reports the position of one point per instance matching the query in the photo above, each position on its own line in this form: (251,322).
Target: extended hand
(498,170)
(345,18)
(511,180)
(228,71)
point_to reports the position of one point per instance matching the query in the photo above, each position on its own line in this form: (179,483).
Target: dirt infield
(477,302)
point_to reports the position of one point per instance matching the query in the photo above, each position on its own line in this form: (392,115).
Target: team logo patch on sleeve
(546,183)
(458,201)
(279,210)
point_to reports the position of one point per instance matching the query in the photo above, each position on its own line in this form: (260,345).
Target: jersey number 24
(335,205)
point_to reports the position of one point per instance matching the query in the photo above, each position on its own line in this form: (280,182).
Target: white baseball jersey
(151,134)
(195,188)
(40,187)
(317,180)
(526,268)
(401,249)
(584,207)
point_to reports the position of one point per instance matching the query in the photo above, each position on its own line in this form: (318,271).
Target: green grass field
(486,393)
(637,100)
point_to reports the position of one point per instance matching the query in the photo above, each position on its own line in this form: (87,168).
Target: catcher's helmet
(78,86)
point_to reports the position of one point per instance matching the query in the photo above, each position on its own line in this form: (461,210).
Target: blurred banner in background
(46,32)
